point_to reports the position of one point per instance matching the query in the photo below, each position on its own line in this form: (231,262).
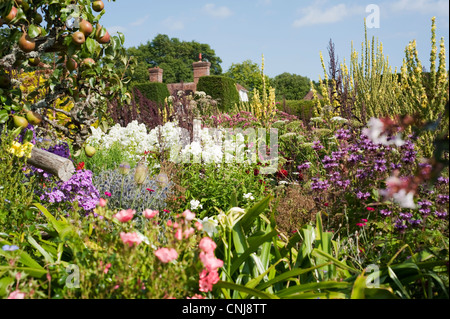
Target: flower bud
(124,168)
(162,179)
(141,174)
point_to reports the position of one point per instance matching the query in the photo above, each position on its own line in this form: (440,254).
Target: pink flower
(360,225)
(150,190)
(179,234)
(207,280)
(125,215)
(370,209)
(108,194)
(199,225)
(166,211)
(207,245)
(131,238)
(169,223)
(196,296)
(107,268)
(166,255)
(16,295)
(149,214)
(210,261)
(102,202)
(188,232)
(188,215)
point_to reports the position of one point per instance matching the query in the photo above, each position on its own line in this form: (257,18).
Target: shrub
(155,91)
(220,88)
(301,108)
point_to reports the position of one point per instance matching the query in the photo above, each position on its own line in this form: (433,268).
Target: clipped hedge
(220,88)
(303,109)
(154,91)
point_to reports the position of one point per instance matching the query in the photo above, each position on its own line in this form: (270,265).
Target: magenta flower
(108,194)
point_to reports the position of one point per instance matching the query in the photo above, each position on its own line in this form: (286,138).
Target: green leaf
(288,274)
(4,283)
(91,45)
(291,291)
(336,262)
(44,253)
(33,31)
(254,212)
(397,282)
(250,291)
(3,116)
(359,287)
(252,248)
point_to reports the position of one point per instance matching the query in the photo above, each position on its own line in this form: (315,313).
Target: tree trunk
(51,163)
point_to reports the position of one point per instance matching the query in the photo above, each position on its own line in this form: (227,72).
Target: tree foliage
(49,26)
(174,56)
(247,74)
(291,86)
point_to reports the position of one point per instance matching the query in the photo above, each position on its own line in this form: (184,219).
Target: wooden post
(51,163)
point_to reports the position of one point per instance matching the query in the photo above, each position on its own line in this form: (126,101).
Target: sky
(289,33)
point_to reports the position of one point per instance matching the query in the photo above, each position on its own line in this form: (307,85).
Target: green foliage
(175,57)
(220,88)
(247,74)
(16,189)
(88,87)
(156,92)
(291,86)
(301,108)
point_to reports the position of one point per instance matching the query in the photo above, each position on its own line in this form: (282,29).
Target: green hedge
(154,91)
(301,108)
(220,88)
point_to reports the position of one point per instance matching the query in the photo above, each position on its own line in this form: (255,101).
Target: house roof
(241,88)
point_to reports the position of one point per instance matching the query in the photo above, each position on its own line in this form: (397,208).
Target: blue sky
(290,33)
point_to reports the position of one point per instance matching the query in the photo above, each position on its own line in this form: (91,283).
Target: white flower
(375,132)
(195,204)
(249,196)
(405,200)
(209,226)
(339,119)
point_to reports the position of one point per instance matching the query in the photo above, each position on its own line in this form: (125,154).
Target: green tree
(34,31)
(247,74)
(175,57)
(291,86)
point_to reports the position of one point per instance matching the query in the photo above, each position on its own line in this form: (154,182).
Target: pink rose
(210,261)
(102,202)
(125,215)
(130,238)
(16,295)
(188,215)
(207,245)
(166,255)
(149,214)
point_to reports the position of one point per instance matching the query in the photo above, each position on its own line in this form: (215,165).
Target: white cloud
(116,28)
(217,12)
(140,21)
(421,6)
(173,24)
(316,14)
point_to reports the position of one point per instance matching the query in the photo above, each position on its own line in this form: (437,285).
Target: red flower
(370,209)
(282,173)
(256,172)
(166,211)
(80,166)
(326,204)
(150,190)
(108,194)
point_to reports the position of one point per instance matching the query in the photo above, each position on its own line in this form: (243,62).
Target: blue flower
(10,247)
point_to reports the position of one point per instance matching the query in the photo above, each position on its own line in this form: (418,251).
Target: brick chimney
(156,74)
(201,68)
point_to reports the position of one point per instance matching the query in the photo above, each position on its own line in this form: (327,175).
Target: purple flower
(317,146)
(304,166)
(442,199)
(441,215)
(342,134)
(319,185)
(362,195)
(385,212)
